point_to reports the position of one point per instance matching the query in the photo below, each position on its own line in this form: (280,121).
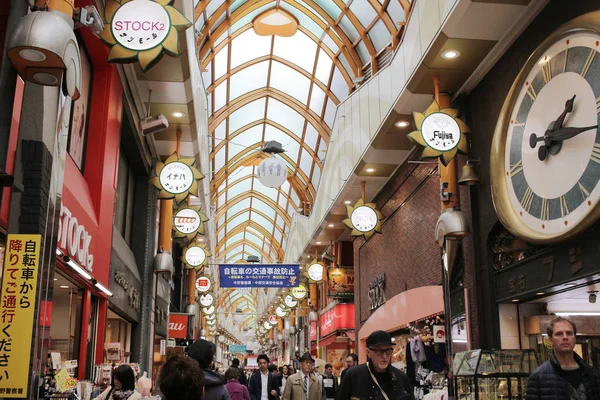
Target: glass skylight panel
(221,235)
(295,198)
(239,206)
(282,201)
(236,249)
(322,150)
(349,29)
(290,164)
(329,42)
(364,12)
(291,209)
(220,159)
(345,64)
(289,81)
(251,250)
(237,220)
(339,87)
(278,235)
(199,24)
(196,3)
(262,221)
(246,19)
(329,113)
(222,187)
(249,113)
(310,137)
(249,46)
(220,95)
(316,100)
(379,35)
(283,243)
(396,12)
(233,239)
(316,177)
(209,104)
(248,137)
(254,239)
(221,201)
(220,61)
(219,22)
(285,187)
(306,162)
(323,67)
(239,173)
(239,188)
(330,7)
(363,52)
(236,4)
(298,49)
(212,6)
(280,224)
(267,191)
(304,19)
(221,218)
(285,116)
(223,36)
(263,207)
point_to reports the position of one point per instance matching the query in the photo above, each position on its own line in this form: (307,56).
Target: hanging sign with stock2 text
(188,221)
(363,219)
(440,133)
(19,288)
(195,256)
(176,178)
(142,30)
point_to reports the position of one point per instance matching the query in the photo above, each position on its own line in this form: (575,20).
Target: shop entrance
(118,333)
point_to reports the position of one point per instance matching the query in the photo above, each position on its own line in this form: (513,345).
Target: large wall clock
(545,159)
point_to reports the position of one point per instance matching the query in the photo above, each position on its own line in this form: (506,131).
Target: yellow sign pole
(19,289)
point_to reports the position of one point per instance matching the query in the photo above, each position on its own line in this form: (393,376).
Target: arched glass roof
(263,88)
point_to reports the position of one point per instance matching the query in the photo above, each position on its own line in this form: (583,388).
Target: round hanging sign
(176,177)
(203,284)
(206,300)
(267,325)
(364,219)
(195,256)
(281,312)
(315,272)
(208,310)
(289,301)
(299,292)
(140,25)
(272,172)
(211,323)
(211,317)
(273,319)
(441,131)
(187,221)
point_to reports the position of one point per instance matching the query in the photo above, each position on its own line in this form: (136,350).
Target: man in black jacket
(263,385)
(565,376)
(376,379)
(203,352)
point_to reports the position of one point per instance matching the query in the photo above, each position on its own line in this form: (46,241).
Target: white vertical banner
(219,354)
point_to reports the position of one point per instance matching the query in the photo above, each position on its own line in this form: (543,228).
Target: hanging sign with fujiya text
(259,275)
(440,133)
(364,219)
(142,30)
(73,239)
(19,288)
(299,292)
(188,221)
(195,256)
(176,178)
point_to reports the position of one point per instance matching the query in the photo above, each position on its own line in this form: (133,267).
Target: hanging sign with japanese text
(259,275)
(19,288)
(176,177)
(195,256)
(364,219)
(189,221)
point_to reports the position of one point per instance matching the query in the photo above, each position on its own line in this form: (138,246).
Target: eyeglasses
(381,352)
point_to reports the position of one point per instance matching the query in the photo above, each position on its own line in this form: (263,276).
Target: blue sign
(237,348)
(259,275)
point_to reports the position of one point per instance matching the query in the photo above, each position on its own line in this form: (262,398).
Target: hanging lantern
(272,171)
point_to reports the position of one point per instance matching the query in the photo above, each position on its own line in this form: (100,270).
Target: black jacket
(255,386)
(547,381)
(214,387)
(358,383)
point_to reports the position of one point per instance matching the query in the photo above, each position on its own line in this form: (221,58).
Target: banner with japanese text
(19,288)
(259,275)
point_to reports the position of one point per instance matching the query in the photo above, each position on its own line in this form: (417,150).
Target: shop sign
(237,348)
(203,285)
(273,320)
(19,289)
(281,312)
(210,317)
(337,318)
(377,292)
(73,239)
(313,331)
(189,221)
(178,326)
(363,218)
(440,133)
(259,275)
(177,177)
(315,272)
(113,351)
(208,310)
(163,347)
(267,325)
(299,292)
(133,295)
(340,282)
(142,30)
(206,300)
(439,334)
(195,256)
(289,301)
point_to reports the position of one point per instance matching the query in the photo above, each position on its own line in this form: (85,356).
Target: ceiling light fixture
(330,225)
(450,54)
(540,293)
(64,287)
(318,242)
(402,124)
(515,300)
(178,114)
(347,202)
(370,169)
(77,268)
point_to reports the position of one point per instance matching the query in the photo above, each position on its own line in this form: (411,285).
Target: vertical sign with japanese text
(19,288)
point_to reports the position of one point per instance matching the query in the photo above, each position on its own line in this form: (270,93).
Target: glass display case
(493,374)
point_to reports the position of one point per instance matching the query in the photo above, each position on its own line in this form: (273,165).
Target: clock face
(552,148)
(364,219)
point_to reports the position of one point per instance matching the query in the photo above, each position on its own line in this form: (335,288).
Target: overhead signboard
(259,275)
(315,272)
(273,319)
(178,326)
(364,219)
(195,256)
(19,289)
(237,348)
(337,318)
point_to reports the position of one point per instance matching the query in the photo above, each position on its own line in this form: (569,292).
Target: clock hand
(568,108)
(567,133)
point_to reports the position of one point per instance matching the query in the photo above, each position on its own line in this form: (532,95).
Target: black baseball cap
(378,338)
(202,351)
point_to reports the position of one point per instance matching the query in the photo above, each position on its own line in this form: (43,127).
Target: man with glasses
(303,385)
(376,379)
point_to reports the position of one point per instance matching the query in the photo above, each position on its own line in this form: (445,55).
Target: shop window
(123,219)
(80,112)
(118,333)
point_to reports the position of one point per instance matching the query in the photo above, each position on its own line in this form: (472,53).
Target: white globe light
(272,172)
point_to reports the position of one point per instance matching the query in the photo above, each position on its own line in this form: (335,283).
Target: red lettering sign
(178,325)
(313,331)
(338,318)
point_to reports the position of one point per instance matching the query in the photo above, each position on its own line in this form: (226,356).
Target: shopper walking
(351,361)
(122,386)
(564,376)
(181,379)
(263,385)
(285,373)
(376,379)
(330,384)
(236,390)
(203,352)
(235,363)
(303,385)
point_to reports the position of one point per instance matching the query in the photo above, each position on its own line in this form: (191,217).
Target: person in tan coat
(296,384)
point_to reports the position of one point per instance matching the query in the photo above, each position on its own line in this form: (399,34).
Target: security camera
(593,296)
(151,125)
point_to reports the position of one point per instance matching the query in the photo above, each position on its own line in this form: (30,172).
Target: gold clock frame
(586,23)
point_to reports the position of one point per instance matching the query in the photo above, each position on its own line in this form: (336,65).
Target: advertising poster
(337,358)
(340,282)
(79,112)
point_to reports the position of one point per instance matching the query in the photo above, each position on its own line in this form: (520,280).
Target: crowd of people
(563,377)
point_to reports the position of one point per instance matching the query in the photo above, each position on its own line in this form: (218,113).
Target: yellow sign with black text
(17,306)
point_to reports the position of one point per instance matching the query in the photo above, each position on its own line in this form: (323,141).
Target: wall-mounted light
(102,288)
(77,268)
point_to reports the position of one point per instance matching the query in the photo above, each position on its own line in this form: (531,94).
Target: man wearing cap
(376,379)
(303,385)
(203,352)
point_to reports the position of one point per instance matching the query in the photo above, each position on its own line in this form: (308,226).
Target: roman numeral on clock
(547,71)
(584,192)
(596,153)
(545,213)
(588,63)
(527,199)
(516,169)
(564,206)
(598,105)
(531,92)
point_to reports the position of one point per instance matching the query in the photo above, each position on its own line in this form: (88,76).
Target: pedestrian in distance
(203,352)
(263,385)
(351,361)
(330,384)
(303,385)
(235,363)
(236,390)
(181,378)
(565,376)
(377,379)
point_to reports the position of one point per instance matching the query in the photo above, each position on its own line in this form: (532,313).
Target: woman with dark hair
(236,390)
(122,386)
(181,378)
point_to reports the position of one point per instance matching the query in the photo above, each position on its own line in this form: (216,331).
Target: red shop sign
(313,331)
(178,326)
(337,318)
